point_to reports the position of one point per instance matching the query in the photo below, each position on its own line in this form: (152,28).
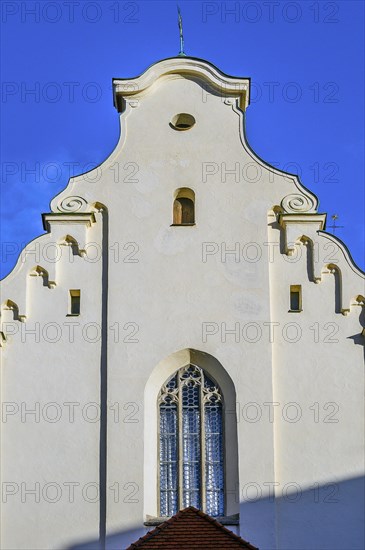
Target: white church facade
(185,333)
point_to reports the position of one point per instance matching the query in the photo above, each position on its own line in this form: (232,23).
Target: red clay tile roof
(190,529)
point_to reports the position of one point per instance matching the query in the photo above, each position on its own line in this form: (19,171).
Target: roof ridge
(220,525)
(157,529)
(151,534)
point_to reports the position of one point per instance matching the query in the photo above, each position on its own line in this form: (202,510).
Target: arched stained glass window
(191,443)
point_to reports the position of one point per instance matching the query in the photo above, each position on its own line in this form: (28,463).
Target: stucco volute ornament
(295,203)
(72,204)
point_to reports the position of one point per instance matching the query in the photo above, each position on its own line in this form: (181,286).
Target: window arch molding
(164,370)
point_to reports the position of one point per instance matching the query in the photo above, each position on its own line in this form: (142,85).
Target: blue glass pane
(214,475)
(191,448)
(190,395)
(214,471)
(191,445)
(215,503)
(213,447)
(191,420)
(172,383)
(168,448)
(168,419)
(168,477)
(191,498)
(168,459)
(208,383)
(168,503)
(213,418)
(191,476)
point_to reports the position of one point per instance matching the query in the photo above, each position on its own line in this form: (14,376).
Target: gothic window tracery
(191,443)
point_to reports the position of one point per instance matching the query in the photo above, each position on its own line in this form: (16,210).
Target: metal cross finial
(334,226)
(179,18)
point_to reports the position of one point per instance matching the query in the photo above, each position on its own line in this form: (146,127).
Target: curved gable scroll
(187,67)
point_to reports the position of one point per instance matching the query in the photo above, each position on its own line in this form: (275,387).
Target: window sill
(225,520)
(73,315)
(295,310)
(182,224)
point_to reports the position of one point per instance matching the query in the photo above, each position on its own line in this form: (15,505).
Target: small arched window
(184,207)
(191,443)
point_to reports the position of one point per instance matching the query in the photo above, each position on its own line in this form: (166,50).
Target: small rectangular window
(295,298)
(75,296)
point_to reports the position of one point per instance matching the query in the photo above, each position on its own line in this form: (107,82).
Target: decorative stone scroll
(72,204)
(297,203)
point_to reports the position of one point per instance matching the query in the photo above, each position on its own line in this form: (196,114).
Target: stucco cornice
(295,225)
(318,220)
(86,218)
(185,67)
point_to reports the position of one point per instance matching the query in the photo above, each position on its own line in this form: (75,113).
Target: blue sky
(305,59)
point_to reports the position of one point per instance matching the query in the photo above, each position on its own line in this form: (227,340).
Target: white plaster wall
(54,451)
(160,295)
(318,387)
(171,292)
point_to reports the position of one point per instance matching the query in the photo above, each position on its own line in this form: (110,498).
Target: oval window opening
(182,121)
